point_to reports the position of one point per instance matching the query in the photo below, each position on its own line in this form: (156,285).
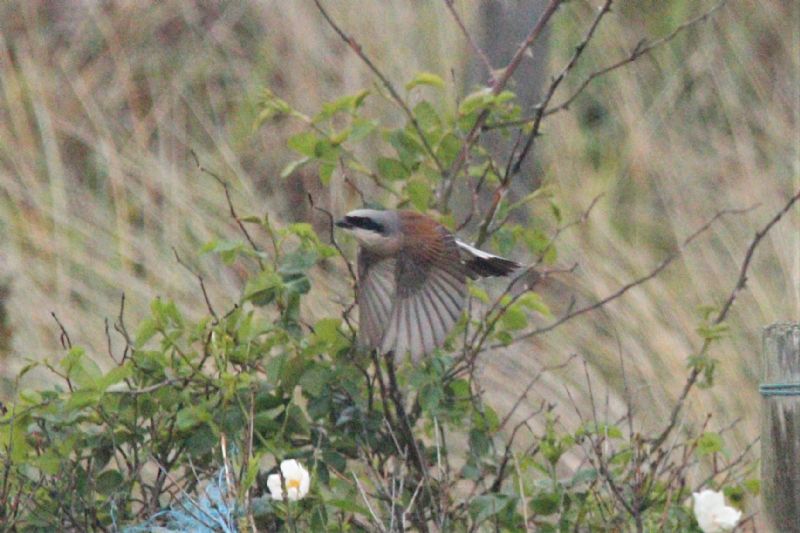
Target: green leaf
(297,423)
(479,443)
(298,261)
(419,192)
(753,485)
(325,172)
(290,373)
(514,318)
(713,331)
(349,506)
(327,330)
(314,380)
(488,505)
(504,337)
(252,472)
(448,148)
(109,482)
(80,369)
(556,211)
(470,471)
(479,293)
(263,288)
(425,78)
(583,475)
(304,143)
(113,376)
(427,117)
(430,397)
(408,149)
(82,398)
(187,418)
(534,302)
(476,101)
(546,503)
(708,443)
(392,169)
(202,440)
(362,128)
(335,459)
(348,103)
(49,462)
(297,284)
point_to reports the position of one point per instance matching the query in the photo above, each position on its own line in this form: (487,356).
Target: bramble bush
(193,415)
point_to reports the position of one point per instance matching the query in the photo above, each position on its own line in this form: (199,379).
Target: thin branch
(498,87)
(472,43)
(529,386)
(232,210)
(542,106)
(742,281)
(332,235)
(635,283)
(497,197)
(375,518)
(202,285)
(642,48)
(63,337)
(740,284)
(353,44)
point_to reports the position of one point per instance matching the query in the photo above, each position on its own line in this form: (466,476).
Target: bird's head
(377,231)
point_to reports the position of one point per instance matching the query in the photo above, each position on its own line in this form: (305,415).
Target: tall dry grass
(102,103)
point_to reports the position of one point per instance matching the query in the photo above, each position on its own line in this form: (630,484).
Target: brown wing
(431,289)
(376,291)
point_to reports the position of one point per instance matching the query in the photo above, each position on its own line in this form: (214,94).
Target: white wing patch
(471,250)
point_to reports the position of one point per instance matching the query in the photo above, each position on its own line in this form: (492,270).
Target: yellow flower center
(292,484)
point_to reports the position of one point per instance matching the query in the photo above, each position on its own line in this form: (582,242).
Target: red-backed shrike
(412,279)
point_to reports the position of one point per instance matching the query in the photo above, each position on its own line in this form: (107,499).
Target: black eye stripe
(365,223)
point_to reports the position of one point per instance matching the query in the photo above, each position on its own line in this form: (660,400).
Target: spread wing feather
(409,304)
(376,291)
(429,304)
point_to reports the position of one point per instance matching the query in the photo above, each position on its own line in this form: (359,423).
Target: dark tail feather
(492,266)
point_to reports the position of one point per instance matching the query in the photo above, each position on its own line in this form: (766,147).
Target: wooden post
(780,427)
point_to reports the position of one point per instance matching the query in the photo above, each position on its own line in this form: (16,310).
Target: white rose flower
(296,479)
(713,516)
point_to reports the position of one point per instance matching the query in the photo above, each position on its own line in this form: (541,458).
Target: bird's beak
(343,224)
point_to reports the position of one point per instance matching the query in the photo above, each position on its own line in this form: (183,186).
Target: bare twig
(202,285)
(332,236)
(359,51)
(63,337)
(740,284)
(635,283)
(529,386)
(641,48)
(231,208)
(374,516)
(497,88)
(542,106)
(144,390)
(472,43)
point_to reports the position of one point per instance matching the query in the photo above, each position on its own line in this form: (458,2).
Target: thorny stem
(359,51)
(497,88)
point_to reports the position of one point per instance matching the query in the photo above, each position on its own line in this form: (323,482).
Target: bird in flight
(412,279)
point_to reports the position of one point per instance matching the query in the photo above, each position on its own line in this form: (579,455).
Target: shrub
(194,416)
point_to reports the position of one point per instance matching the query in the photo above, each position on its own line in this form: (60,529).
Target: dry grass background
(100,104)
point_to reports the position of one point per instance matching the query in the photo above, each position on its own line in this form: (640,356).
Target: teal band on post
(779,389)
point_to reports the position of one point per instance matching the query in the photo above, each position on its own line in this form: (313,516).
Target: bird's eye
(365,223)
